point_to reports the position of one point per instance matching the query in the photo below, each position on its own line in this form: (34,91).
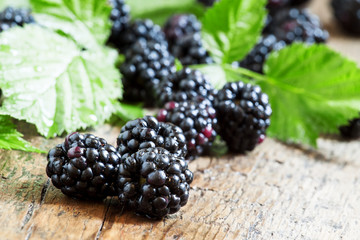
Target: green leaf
(86,21)
(232,27)
(312,90)
(10,138)
(160,10)
(14,3)
(126,112)
(50,82)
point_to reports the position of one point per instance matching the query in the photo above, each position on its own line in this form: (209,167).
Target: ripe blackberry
(147,132)
(179,26)
(274,5)
(352,130)
(153,182)
(197,119)
(84,166)
(256,58)
(298,2)
(207,3)
(139,30)
(146,64)
(347,13)
(297,25)
(186,84)
(120,18)
(11,17)
(190,51)
(243,114)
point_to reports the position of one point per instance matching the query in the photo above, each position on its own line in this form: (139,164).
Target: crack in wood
(28,215)
(29,232)
(44,191)
(103,221)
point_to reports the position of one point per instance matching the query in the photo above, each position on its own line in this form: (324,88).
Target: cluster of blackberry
(11,17)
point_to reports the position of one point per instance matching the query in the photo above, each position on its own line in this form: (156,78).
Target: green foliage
(14,3)
(231,28)
(49,81)
(10,138)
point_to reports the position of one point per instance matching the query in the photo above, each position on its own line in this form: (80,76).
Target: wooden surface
(277,191)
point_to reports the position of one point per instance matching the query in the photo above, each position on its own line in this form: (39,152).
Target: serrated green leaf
(160,10)
(312,90)
(14,3)
(232,27)
(48,81)
(86,21)
(127,112)
(10,138)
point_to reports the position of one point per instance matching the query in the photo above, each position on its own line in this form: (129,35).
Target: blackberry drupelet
(11,17)
(179,26)
(352,130)
(190,51)
(256,58)
(84,166)
(120,18)
(207,3)
(347,13)
(197,119)
(154,183)
(186,84)
(243,113)
(139,30)
(297,25)
(147,132)
(146,64)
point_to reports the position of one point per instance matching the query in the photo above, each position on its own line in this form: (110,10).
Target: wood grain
(278,191)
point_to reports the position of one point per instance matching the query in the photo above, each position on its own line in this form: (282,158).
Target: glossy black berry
(11,17)
(347,13)
(153,182)
(147,132)
(243,113)
(146,64)
(120,18)
(256,58)
(352,130)
(197,119)
(84,166)
(184,85)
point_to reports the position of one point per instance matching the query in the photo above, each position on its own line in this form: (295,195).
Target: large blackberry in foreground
(147,132)
(243,114)
(180,25)
(11,17)
(120,18)
(84,166)
(153,182)
(190,51)
(139,30)
(256,58)
(146,64)
(347,13)
(352,130)
(197,119)
(184,85)
(297,25)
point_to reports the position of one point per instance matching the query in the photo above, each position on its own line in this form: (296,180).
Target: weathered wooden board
(276,192)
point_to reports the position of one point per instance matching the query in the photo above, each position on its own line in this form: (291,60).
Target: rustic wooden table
(278,191)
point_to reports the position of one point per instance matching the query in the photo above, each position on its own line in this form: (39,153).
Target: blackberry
(154,183)
(297,25)
(147,132)
(207,3)
(190,51)
(256,58)
(11,17)
(298,2)
(186,84)
(197,119)
(243,114)
(347,13)
(84,166)
(146,64)
(179,26)
(274,5)
(352,130)
(120,18)
(139,30)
